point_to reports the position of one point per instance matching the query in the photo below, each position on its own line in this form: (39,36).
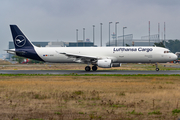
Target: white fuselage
(116,54)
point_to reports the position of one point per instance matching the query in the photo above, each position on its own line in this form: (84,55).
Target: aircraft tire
(157,69)
(94,68)
(87,68)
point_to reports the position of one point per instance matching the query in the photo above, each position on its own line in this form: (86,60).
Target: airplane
(104,57)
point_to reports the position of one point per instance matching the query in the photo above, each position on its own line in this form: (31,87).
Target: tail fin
(20,40)
(23,47)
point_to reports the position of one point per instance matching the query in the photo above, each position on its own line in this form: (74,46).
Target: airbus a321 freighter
(104,57)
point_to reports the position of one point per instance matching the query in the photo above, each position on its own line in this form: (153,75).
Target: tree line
(172,45)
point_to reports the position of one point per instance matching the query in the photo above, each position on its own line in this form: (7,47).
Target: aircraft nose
(174,57)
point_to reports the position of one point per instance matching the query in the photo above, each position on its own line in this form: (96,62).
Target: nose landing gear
(157,69)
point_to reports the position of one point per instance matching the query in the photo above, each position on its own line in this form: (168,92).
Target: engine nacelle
(105,63)
(116,64)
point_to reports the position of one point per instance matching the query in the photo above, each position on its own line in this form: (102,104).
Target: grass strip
(74,74)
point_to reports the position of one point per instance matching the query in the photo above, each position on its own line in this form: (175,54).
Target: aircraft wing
(81,58)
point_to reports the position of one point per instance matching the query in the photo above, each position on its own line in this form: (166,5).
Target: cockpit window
(167,52)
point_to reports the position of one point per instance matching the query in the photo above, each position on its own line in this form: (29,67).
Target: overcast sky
(52,20)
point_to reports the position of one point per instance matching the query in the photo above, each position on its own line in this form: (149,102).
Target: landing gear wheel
(157,69)
(87,68)
(94,68)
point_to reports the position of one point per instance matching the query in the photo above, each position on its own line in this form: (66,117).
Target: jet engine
(116,64)
(105,63)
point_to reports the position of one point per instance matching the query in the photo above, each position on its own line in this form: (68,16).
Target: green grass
(118,106)
(175,111)
(58,113)
(156,112)
(81,113)
(135,113)
(78,92)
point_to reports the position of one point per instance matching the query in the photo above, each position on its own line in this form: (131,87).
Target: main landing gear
(157,69)
(94,68)
(88,68)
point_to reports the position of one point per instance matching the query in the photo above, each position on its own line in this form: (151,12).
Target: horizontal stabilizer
(14,52)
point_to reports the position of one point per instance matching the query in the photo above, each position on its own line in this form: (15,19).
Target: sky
(57,20)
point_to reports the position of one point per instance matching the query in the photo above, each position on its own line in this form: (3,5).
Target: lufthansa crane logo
(20,40)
